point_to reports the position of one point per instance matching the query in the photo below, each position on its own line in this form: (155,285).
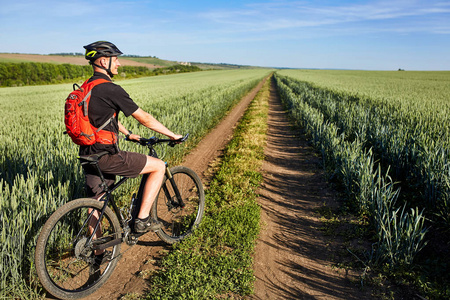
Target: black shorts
(127,164)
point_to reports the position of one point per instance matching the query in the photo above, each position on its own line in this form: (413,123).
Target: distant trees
(68,54)
(33,73)
(176,69)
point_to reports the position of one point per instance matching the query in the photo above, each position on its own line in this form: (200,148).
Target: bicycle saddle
(93,158)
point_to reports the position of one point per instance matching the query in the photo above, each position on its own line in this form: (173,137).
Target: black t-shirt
(106,99)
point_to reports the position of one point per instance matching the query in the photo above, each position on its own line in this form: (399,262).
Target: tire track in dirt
(292,255)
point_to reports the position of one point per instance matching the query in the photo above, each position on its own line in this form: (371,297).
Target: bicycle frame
(135,201)
(79,245)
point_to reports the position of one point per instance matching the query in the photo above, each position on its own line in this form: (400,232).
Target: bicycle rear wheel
(65,261)
(179,221)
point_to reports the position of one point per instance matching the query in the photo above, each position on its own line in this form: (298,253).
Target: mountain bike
(79,245)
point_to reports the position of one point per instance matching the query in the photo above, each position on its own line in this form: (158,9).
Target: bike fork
(174,187)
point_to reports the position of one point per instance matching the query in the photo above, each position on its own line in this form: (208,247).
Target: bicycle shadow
(153,244)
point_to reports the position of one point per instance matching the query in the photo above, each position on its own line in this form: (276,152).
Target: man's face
(115,64)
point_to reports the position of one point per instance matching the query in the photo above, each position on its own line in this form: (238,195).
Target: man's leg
(156,169)
(94,191)
(128,164)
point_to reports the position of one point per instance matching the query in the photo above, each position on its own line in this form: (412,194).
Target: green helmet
(101,49)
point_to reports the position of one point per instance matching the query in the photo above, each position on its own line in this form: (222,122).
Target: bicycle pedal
(132,239)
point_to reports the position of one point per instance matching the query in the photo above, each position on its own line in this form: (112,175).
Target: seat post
(93,161)
(103,185)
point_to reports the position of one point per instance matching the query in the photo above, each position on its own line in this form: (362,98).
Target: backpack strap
(84,103)
(92,85)
(106,123)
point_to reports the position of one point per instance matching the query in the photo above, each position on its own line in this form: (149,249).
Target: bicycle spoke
(179,218)
(66,261)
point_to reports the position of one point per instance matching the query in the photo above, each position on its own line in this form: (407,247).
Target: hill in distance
(130,60)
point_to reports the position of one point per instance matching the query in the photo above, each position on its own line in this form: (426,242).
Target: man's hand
(175,137)
(134,137)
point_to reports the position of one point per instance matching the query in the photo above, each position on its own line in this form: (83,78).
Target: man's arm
(122,129)
(125,132)
(150,122)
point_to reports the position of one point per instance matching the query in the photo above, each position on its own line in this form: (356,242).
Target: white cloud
(291,15)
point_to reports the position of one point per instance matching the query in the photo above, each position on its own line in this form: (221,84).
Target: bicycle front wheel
(179,219)
(67,264)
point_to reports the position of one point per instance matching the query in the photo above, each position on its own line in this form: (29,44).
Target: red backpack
(76,117)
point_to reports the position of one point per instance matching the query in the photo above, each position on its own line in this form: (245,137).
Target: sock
(145,219)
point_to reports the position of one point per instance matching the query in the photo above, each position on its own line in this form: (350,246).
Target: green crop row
(400,232)
(412,139)
(413,91)
(398,121)
(38,167)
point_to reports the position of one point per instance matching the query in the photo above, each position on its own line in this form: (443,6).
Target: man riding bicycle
(79,245)
(107,100)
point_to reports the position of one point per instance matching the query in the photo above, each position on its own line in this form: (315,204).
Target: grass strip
(217,260)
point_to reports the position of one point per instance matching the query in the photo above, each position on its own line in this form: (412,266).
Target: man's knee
(161,166)
(154,165)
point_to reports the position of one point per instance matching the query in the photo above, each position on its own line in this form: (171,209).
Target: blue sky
(358,34)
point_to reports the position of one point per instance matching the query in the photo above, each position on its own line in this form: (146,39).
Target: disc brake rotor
(81,250)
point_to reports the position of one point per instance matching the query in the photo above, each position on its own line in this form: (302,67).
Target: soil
(292,255)
(293,258)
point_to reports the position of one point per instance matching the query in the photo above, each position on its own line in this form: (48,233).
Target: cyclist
(107,100)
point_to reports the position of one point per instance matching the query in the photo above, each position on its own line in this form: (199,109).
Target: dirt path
(292,256)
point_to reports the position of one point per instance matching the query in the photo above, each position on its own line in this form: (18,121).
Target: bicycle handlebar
(154,140)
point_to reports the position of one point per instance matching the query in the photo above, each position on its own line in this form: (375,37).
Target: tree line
(34,73)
